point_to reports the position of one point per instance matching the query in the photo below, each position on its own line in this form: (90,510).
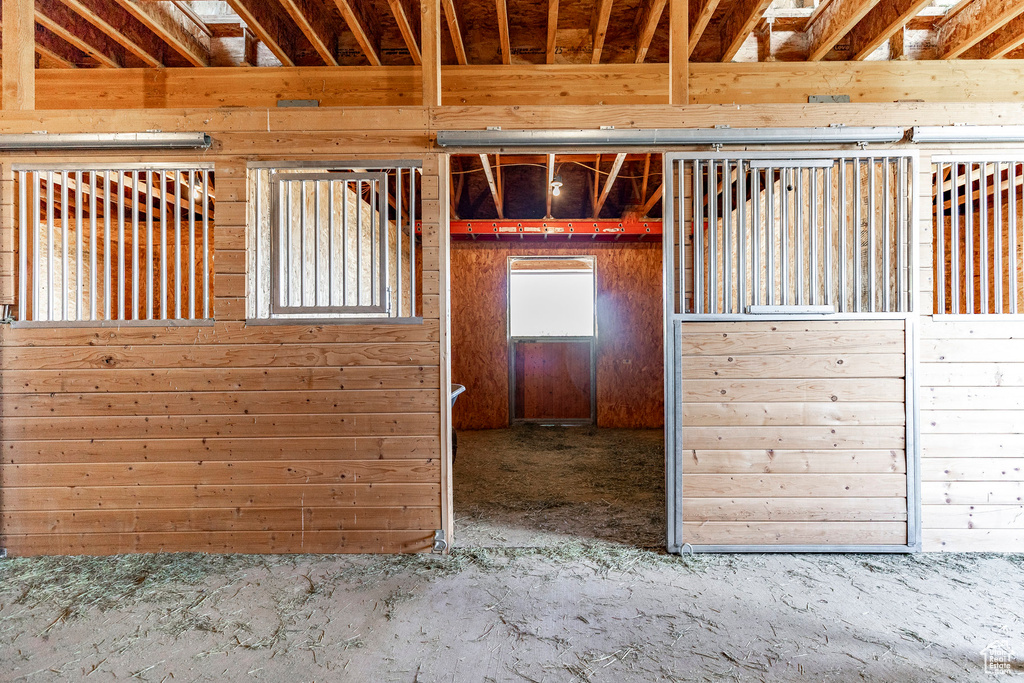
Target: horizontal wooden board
(221,449)
(793,462)
(794,485)
(793,367)
(973,421)
(971,445)
(397,471)
(767,327)
(971,327)
(236,379)
(792,342)
(793,414)
(795,533)
(222,356)
(973,540)
(971,350)
(220,403)
(971,398)
(972,516)
(793,438)
(839,389)
(972,493)
(220,542)
(972,469)
(155,497)
(181,426)
(795,509)
(988,374)
(219,519)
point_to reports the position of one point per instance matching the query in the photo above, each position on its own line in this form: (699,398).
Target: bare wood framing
(168,22)
(655,198)
(408,19)
(485,160)
(65,24)
(314,25)
(549,52)
(501,7)
(881,23)
(599,28)
(451,14)
(701,12)
(679,52)
(1004,40)
(361,25)
(646,25)
(609,182)
(54,48)
(268,27)
(834,21)
(740,23)
(19,59)
(976,21)
(121,27)
(430,37)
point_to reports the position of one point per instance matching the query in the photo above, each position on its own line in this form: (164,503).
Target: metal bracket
(3,553)
(440,544)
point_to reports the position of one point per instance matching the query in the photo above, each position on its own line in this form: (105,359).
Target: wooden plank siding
(794,433)
(972,434)
(228,438)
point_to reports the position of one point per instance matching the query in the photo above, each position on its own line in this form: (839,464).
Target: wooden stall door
(553,380)
(794,433)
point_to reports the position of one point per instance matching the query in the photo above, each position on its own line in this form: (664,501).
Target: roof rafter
(700,13)
(408,17)
(366,31)
(647,20)
(881,23)
(55,48)
(609,182)
(599,28)
(501,6)
(1005,40)
(976,21)
(833,22)
(739,24)
(495,193)
(317,28)
(113,20)
(552,31)
(65,24)
(261,19)
(173,27)
(451,14)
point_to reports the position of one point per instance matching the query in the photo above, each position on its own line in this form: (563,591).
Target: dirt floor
(593,606)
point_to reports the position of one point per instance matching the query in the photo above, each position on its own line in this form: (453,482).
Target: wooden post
(678,52)
(430,46)
(19,56)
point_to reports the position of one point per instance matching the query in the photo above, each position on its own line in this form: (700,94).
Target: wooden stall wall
(794,433)
(629,319)
(231,438)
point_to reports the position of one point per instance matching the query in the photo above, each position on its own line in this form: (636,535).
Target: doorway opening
(556,302)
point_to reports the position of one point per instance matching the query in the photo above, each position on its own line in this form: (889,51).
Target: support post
(19,57)
(430,46)
(679,72)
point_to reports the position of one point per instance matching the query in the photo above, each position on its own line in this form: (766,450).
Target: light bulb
(556,190)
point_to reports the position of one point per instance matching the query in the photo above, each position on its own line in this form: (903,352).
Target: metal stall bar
(858,268)
(770,220)
(79,291)
(727,220)
(983,257)
(784,226)
(871,237)
(398,240)
(164,215)
(63,297)
(695,294)
(23,230)
(135,245)
(969,247)
(302,243)
(176,206)
(413,172)
(798,238)
(51,289)
(359,242)
(940,230)
(954,229)
(330,242)
(191,206)
(1014,231)
(121,287)
(812,260)
(828,235)
(842,236)
(317,274)
(93,188)
(206,243)
(997,266)
(698,233)
(755,234)
(149,245)
(344,243)
(741,202)
(886,233)
(713,306)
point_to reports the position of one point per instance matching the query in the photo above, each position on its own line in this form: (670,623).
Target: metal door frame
(675,541)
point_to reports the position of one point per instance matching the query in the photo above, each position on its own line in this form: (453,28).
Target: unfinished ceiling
(146,33)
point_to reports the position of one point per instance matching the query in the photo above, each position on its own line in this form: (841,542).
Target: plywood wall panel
(629,319)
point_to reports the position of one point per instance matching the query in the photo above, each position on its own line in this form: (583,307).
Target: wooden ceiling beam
(485,160)
(599,28)
(549,53)
(451,14)
(53,47)
(1005,40)
(881,23)
(65,24)
(740,23)
(649,204)
(646,24)
(609,183)
(173,27)
(834,21)
(318,29)
(973,23)
(268,26)
(124,29)
(501,7)
(407,16)
(19,59)
(701,12)
(366,31)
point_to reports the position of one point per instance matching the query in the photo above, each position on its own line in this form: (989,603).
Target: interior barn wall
(230,438)
(629,319)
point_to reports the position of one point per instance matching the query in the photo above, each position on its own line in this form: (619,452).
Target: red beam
(628,230)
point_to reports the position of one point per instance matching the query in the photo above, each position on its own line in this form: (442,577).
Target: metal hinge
(440,544)
(3,553)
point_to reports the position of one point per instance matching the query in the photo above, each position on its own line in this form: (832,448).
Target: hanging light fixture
(556,185)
